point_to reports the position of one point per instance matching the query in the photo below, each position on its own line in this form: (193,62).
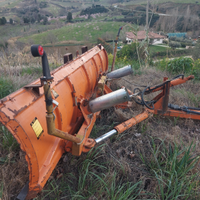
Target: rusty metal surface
(68,57)
(166,97)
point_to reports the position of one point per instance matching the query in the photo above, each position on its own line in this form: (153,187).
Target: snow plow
(56,113)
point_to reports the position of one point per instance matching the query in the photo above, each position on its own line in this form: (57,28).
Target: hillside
(85,31)
(39,17)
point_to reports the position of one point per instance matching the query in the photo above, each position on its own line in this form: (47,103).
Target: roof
(176,34)
(141,35)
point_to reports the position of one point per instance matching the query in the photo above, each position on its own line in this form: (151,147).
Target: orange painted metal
(73,83)
(161,106)
(174,82)
(131,122)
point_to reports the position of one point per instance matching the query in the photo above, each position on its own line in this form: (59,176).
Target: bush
(196,51)
(130,52)
(180,65)
(3,21)
(196,69)
(179,39)
(174,45)
(93,10)
(183,45)
(188,42)
(43,4)
(162,64)
(69,16)
(110,59)
(171,53)
(165,42)
(124,12)
(173,38)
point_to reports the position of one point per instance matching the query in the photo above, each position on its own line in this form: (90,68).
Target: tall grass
(175,170)
(20,69)
(94,181)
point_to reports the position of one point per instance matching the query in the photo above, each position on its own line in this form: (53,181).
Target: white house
(141,35)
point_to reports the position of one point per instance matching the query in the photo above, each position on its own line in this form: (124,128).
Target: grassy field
(153,48)
(17,30)
(85,31)
(15,3)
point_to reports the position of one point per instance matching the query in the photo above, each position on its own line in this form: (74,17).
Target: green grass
(173,167)
(7,140)
(8,144)
(194,99)
(53,9)
(154,49)
(1,190)
(94,181)
(5,3)
(9,31)
(14,4)
(78,32)
(6,87)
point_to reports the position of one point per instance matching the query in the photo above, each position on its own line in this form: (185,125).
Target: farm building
(141,35)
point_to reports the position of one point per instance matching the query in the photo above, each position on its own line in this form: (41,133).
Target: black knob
(37,50)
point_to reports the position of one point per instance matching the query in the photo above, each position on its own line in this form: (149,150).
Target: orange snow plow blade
(24,114)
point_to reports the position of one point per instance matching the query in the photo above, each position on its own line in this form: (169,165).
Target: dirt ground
(125,149)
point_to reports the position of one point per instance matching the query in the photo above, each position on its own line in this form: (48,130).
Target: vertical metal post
(115,51)
(113,47)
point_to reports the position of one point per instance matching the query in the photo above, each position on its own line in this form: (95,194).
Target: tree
(45,20)
(39,17)
(3,21)
(69,16)
(26,20)
(130,52)
(174,45)
(51,38)
(11,21)
(32,20)
(196,50)
(3,43)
